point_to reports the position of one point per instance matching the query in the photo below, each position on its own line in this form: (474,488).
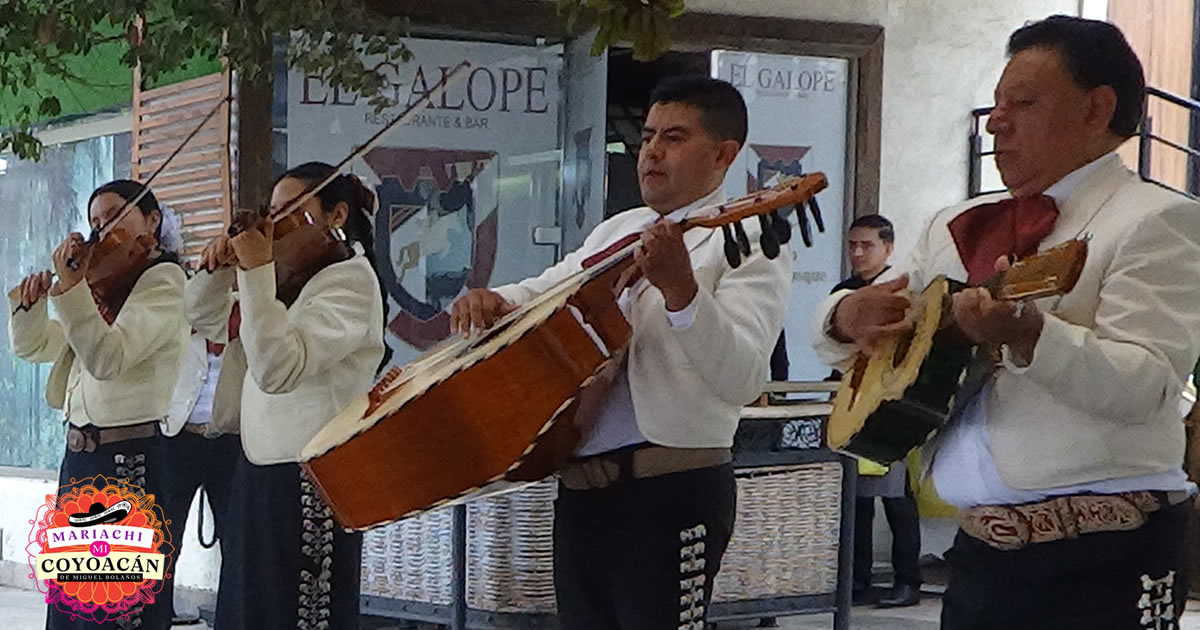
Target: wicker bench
(489,563)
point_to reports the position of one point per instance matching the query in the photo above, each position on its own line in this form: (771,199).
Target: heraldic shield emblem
(435,232)
(773,163)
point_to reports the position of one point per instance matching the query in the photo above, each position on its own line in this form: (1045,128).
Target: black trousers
(1109,580)
(642,554)
(197,461)
(905,524)
(143,461)
(287,563)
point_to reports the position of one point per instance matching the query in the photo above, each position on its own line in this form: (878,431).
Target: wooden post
(255,142)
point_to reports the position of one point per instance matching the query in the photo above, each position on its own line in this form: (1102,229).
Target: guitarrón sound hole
(856,379)
(902,346)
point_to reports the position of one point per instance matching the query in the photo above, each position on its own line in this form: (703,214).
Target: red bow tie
(1010,227)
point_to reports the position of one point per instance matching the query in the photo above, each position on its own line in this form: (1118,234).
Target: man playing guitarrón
(646,508)
(1067,464)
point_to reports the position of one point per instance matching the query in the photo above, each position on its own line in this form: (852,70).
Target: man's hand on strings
(871,315)
(987,320)
(477,310)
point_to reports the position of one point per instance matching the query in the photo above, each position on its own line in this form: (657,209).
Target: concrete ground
(25,610)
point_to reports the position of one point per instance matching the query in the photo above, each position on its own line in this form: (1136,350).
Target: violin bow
(455,75)
(104,228)
(100,232)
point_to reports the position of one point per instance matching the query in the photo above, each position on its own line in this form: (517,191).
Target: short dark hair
(886,233)
(1094,53)
(722,108)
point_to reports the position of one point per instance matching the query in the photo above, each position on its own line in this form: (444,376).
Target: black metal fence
(1149,143)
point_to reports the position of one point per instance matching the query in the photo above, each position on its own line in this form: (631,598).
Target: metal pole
(458,573)
(841,617)
(1144,147)
(1193,171)
(974,166)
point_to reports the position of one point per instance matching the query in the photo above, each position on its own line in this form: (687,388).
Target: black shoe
(862,595)
(184,619)
(902,595)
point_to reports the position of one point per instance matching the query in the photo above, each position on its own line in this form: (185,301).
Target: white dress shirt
(616,423)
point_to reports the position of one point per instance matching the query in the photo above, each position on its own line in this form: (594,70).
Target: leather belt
(90,437)
(1011,527)
(638,462)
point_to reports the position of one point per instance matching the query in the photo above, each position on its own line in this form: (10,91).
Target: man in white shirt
(646,509)
(201,454)
(1067,464)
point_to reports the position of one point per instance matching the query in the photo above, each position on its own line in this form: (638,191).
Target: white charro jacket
(303,363)
(1100,399)
(107,375)
(690,384)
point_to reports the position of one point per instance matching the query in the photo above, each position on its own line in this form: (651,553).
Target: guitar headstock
(770,206)
(1052,272)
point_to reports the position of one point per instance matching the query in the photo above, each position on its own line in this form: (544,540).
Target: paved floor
(25,610)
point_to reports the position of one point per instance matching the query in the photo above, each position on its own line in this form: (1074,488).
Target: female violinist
(311,328)
(115,343)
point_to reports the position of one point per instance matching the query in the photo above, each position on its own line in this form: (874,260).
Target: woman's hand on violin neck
(254,246)
(218,253)
(74,249)
(34,287)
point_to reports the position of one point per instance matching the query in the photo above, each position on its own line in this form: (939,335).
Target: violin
(301,246)
(118,257)
(117,261)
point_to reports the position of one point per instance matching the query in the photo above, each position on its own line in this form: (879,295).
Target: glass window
(41,203)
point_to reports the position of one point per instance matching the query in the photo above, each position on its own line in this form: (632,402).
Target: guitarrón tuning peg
(743,241)
(783,229)
(731,247)
(805,229)
(768,240)
(816,212)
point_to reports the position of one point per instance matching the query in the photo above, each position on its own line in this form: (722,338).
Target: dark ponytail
(350,190)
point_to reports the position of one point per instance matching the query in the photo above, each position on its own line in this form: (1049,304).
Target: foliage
(643,22)
(38,38)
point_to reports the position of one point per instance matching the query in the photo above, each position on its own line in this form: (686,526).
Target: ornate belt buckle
(81,440)
(76,440)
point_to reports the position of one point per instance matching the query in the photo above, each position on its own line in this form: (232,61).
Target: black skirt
(288,565)
(143,462)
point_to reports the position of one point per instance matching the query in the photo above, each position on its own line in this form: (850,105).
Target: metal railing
(1148,142)
(978,153)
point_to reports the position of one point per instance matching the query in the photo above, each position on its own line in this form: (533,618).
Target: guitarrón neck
(1004,286)
(625,246)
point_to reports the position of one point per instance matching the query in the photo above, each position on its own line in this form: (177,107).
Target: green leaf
(49,107)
